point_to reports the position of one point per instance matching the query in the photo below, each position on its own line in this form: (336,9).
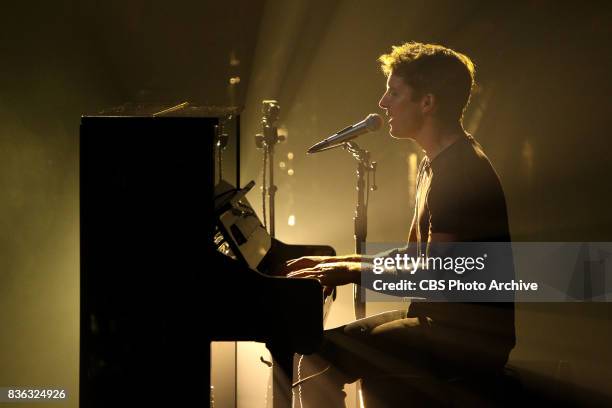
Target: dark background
(541,111)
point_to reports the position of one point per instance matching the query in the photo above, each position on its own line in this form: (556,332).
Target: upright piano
(173,257)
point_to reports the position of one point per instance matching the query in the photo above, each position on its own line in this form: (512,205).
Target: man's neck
(435,138)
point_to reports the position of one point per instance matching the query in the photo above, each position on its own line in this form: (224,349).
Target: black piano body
(155,288)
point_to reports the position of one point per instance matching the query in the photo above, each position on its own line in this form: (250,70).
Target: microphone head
(373,122)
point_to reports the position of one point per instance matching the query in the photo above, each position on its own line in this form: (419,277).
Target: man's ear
(429,103)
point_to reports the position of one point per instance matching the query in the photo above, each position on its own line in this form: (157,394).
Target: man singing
(459,199)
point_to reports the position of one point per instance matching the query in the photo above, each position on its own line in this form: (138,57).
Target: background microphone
(371,123)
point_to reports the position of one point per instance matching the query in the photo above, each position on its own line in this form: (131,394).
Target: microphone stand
(267,141)
(221,139)
(364,167)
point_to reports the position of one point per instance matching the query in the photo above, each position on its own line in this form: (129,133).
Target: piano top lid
(184,109)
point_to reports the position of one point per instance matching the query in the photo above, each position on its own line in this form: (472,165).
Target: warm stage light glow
(527,153)
(283,132)
(291,220)
(234,61)
(290,172)
(234,80)
(282,165)
(290,156)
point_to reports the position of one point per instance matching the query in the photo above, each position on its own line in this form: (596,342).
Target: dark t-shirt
(459,193)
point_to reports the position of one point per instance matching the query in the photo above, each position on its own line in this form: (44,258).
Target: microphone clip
(363,158)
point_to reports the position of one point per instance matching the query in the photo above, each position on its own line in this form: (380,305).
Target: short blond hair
(432,68)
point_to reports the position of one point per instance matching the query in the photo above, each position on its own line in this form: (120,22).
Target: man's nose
(383,102)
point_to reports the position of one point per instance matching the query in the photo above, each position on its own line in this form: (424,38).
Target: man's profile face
(405,116)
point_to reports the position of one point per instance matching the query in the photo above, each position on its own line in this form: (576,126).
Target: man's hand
(308,262)
(331,274)
(305,262)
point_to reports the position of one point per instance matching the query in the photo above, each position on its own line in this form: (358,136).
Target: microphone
(371,123)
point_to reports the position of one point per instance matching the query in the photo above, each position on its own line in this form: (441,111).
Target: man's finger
(301,273)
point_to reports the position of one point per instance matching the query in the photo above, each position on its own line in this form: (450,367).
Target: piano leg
(282,377)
